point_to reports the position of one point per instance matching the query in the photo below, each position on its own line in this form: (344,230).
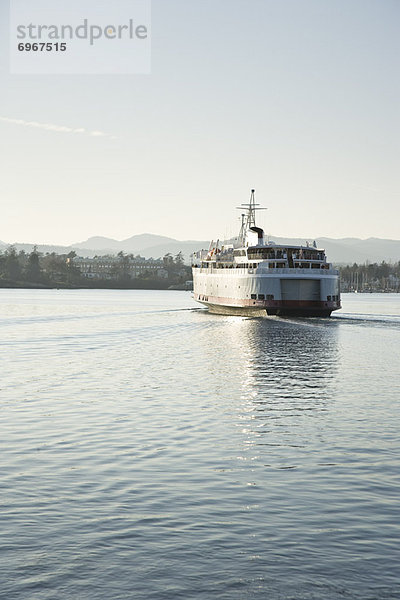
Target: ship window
(329,298)
(270,296)
(254,296)
(261,296)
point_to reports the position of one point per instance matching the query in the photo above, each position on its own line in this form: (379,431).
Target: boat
(250,275)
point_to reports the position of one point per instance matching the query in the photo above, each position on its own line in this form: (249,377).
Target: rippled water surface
(151,450)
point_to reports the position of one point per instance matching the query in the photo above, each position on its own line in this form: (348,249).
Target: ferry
(253,276)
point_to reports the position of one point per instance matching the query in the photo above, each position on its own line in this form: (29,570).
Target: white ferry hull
(286,292)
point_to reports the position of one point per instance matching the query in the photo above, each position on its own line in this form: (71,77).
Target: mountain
(173,247)
(134,244)
(98,243)
(345,250)
(145,244)
(355,250)
(44,248)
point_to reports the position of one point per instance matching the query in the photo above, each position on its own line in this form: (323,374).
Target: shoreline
(62,286)
(174,288)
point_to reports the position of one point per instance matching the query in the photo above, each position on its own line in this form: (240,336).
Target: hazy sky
(296,98)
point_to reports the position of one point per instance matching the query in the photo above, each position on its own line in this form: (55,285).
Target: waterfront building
(115,267)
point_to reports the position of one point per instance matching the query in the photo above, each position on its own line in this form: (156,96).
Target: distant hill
(134,244)
(173,247)
(98,243)
(345,250)
(146,244)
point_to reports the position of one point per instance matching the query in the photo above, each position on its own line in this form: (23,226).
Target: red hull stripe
(246,302)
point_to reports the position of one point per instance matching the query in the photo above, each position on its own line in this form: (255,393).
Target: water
(151,450)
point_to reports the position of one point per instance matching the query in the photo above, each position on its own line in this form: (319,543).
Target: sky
(298,99)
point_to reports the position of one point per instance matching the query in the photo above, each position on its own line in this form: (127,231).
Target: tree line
(36,269)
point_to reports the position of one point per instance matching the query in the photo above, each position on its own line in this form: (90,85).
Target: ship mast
(249,219)
(242,232)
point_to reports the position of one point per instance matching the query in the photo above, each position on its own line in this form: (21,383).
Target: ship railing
(264,271)
(296,271)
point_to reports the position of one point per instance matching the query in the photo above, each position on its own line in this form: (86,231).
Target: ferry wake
(252,276)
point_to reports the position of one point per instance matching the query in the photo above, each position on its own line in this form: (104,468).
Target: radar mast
(249,219)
